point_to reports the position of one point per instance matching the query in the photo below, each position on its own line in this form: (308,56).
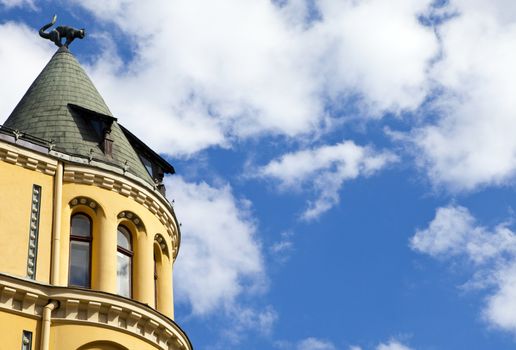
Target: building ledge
(83,306)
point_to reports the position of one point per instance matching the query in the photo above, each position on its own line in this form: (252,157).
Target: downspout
(56,225)
(45,324)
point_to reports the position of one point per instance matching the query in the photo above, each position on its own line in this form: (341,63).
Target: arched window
(124,261)
(80,251)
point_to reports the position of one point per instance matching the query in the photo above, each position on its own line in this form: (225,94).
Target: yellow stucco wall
(105,222)
(86,337)
(12,326)
(15,211)
(16,185)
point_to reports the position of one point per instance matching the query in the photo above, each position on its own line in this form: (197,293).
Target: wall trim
(94,308)
(27,159)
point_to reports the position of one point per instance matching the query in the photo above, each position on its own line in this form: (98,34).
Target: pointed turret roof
(63,106)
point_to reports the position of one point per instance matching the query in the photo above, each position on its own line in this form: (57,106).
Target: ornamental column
(104,262)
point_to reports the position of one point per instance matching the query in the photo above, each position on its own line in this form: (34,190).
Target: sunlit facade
(88,239)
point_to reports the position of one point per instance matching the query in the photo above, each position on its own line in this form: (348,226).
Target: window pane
(81,225)
(26,340)
(148,165)
(124,238)
(80,264)
(124,274)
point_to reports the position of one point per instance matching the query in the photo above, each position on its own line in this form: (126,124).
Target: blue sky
(345,168)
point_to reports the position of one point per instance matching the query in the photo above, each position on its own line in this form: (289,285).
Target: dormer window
(99,126)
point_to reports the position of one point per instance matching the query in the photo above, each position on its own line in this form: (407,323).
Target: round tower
(88,238)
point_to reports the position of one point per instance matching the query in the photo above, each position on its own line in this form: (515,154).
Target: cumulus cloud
(471,144)
(23,55)
(315,344)
(454,233)
(243,319)
(281,249)
(220,257)
(18,3)
(310,343)
(369,36)
(209,72)
(447,233)
(392,345)
(324,170)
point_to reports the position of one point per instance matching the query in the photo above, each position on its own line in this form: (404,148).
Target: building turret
(88,239)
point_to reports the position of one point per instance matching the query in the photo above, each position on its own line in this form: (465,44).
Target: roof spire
(61,32)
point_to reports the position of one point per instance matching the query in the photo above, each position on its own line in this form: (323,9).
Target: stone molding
(27,159)
(158,238)
(93,308)
(34,231)
(81,200)
(129,215)
(88,176)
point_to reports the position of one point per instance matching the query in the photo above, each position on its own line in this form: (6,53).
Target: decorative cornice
(27,159)
(80,306)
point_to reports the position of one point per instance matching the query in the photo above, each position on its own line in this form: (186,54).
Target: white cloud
(447,233)
(500,309)
(281,249)
(454,233)
(220,263)
(312,343)
(325,169)
(281,246)
(471,144)
(315,344)
(18,3)
(220,258)
(379,50)
(208,72)
(243,319)
(22,55)
(392,345)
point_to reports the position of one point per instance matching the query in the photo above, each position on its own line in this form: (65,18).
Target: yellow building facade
(88,238)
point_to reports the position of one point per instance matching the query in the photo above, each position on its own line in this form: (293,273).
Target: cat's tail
(45,27)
